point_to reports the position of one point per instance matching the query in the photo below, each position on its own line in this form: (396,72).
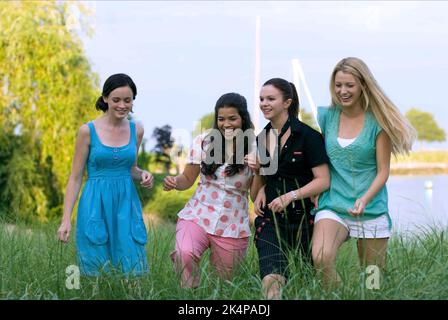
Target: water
(414,206)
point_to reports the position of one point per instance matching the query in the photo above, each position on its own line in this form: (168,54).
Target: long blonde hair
(396,126)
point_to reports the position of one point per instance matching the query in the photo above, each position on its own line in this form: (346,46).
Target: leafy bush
(166,205)
(45,77)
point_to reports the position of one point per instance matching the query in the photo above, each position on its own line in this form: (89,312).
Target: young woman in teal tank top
(361,130)
(110,233)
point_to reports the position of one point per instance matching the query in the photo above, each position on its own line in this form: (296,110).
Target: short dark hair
(289,92)
(113,82)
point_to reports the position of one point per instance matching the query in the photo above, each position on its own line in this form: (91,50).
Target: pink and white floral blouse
(220,206)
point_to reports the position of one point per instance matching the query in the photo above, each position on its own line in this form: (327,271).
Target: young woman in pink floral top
(216,216)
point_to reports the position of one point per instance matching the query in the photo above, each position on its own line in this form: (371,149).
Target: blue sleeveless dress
(111,234)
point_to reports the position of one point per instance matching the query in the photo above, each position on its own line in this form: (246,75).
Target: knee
(273,279)
(323,257)
(183,256)
(272,286)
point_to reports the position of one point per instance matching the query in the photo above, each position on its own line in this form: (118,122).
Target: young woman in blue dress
(110,233)
(362,127)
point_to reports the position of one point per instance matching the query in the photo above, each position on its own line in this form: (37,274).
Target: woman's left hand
(358,209)
(147,179)
(251,160)
(315,200)
(280,203)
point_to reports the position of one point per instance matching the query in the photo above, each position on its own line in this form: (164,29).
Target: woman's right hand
(169,183)
(64,231)
(251,160)
(315,200)
(260,202)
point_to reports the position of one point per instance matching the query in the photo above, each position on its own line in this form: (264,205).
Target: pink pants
(191,243)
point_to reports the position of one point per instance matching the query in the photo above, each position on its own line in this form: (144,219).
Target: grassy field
(33,266)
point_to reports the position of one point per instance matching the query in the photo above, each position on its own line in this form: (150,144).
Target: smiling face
(347,89)
(228,120)
(120,102)
(271,102)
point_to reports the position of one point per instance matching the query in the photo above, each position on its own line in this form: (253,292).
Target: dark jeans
(275,238)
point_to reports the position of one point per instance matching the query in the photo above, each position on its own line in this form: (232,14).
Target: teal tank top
(353,168)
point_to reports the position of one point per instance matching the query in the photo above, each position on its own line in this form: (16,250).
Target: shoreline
(418,168)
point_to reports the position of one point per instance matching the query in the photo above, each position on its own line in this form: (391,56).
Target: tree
(308,119)
(425,125)
(163,146)
(47,91)
(206,122)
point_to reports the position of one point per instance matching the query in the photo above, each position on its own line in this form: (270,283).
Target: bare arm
(75,180)
(146,179)
(260,201)
(257,183)
(253,162)
(77,173)
(136,172)
(383,152)
(184,180)
(320,183)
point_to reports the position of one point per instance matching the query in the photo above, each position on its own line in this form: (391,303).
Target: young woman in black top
(294,167)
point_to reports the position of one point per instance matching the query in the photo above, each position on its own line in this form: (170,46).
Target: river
(418,203)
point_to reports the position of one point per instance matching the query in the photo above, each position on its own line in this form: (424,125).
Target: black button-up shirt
(304,150)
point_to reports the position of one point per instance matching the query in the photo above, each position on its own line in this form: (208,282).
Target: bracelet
(294,195)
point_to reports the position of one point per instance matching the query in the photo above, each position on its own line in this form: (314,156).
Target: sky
(183,55)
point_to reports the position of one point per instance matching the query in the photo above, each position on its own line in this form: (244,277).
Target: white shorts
(367,229)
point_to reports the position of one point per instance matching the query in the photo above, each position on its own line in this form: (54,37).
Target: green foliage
(165,204)
(24,204)
(155,166)
(164,144)
(308,119)
(426,126)
(144,157)
(146,195)
(206,122)
(143,162)
(47,92)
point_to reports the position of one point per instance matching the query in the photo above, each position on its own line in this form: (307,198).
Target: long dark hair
(289,92)
(113,82)
(238,102)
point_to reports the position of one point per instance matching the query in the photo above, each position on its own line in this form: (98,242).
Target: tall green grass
(33,264)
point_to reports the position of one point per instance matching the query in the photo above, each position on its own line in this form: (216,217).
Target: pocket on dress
(138,231)
(96,232)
